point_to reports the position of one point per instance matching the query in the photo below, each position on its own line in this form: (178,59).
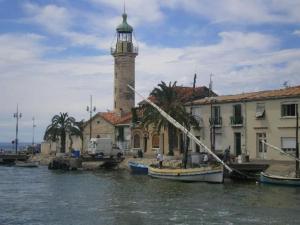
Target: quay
(11,158)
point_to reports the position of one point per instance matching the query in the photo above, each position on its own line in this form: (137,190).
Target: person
(205,158)
(226,157)
(160,159)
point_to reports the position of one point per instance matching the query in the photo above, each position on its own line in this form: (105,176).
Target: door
(237,144)
(145,144)
(261,149)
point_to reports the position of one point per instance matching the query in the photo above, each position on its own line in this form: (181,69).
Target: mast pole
(182,128)
(297,142)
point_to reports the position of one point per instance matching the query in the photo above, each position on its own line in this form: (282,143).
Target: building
(242,121)
(150,140)
(124,54)
(114,124)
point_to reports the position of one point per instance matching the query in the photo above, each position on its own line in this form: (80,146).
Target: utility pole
(212,121)
(297,143)
(17,115)
(91,109)
(33,126)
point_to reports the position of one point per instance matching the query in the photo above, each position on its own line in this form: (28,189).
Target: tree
(167,98)
(78,131)
(60,126)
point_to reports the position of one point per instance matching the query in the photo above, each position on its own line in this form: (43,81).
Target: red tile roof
(125,119)
(187,94)
(113,118)
(252,96)
(110,117)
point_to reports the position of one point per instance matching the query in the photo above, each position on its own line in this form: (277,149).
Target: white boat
(202,174)
(26,164)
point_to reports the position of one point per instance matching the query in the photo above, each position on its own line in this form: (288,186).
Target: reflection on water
(38,196)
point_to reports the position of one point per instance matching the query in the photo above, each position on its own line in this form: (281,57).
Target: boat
(280,180)
(201,174)
(26,164)
(245,171)
(138,168)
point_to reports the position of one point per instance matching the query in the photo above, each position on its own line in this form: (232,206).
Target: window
(237,118)
(98,136)
(136,141)
(216,118)
(260,110)
(98,121)
(288,144)
(155,141)
(288,109)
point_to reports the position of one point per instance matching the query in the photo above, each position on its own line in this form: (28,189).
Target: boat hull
(279,180)
(138,168)
(26,164)
(190,175)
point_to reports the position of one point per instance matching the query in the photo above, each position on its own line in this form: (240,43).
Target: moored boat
(201,174)
(138,168)
(26,164)
(280,180)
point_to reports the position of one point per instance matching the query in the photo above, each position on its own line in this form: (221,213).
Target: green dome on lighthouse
(124,27)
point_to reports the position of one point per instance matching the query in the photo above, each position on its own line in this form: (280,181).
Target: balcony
(236,121)
(215,121)
(129,49)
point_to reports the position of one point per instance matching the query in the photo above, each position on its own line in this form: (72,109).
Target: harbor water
(38,196)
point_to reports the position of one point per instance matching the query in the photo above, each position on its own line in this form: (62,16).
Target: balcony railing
(215,121)
(131,49)
(236,120)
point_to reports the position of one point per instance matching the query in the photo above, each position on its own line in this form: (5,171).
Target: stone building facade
(243,121)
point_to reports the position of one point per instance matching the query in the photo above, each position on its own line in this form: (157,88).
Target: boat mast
(182,128)
(187,142)
(297,142)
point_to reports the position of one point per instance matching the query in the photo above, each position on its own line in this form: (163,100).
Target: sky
(54,54)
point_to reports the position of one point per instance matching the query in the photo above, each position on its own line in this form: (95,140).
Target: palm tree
(78,131)
(167,98)
(60,126)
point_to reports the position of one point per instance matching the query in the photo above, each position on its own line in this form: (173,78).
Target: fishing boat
(205,174)
(201,174)
(26,164)
(280,180)
(138,168)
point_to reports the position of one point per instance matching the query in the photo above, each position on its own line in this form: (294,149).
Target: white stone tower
(124,53)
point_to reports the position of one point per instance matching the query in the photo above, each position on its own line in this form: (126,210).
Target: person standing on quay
(160,159)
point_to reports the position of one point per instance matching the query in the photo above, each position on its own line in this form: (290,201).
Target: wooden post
(297,143)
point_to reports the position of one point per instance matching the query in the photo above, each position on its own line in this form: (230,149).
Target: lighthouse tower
(124,53)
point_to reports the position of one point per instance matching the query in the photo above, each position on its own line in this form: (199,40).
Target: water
(38,196)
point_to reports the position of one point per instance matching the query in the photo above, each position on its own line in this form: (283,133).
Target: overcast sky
(54,54)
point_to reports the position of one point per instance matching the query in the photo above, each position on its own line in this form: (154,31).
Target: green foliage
(167,98)
(61,126)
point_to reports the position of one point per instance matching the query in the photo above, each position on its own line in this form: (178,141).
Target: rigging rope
(280,150)
(183,129)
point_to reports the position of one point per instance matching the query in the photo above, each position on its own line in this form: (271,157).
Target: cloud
(141,12)
(241,11)
(297,32)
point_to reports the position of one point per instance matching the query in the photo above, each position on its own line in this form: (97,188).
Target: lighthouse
(124,53)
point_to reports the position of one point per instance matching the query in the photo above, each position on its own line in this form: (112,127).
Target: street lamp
(91,109)
(17,115)
(33,126)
